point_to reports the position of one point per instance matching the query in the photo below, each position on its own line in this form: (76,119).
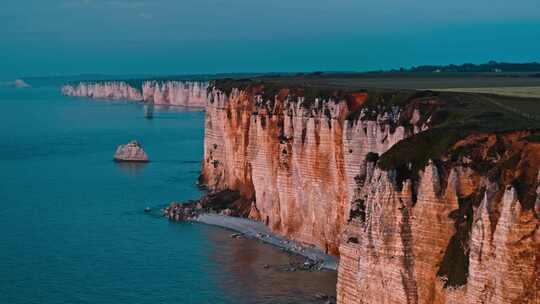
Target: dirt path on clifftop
(256,230)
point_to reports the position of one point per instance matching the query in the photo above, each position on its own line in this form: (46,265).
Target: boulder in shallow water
(130,152)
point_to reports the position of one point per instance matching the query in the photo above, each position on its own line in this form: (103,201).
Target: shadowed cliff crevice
(454,268)
(472,223)
(408,277)
(302,164)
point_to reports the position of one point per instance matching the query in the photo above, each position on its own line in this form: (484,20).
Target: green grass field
(526,92)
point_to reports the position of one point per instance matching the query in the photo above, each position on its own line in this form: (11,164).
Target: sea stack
(131,152)
(21,84)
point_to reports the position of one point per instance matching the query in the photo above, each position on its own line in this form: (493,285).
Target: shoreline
(258,231)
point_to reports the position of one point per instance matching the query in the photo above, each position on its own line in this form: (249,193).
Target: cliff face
(176,93)
(173,93)
(103,90)
(463,228)
(297,161)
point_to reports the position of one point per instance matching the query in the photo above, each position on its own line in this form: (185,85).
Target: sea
(72,222)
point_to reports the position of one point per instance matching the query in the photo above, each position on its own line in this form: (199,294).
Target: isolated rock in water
(19,83)
(130,152)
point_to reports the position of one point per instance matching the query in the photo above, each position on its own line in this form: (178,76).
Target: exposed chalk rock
(444,234)
(254,214)
(176,93)
(298,162)
(113,90)
(464,238)
(172,93)
(130,152)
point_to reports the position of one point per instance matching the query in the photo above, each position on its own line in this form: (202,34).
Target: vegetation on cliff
(450,116)
(459,115)
(445,118)
(269,90)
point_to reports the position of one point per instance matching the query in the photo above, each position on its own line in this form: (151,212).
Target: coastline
(182,108)
(255,230)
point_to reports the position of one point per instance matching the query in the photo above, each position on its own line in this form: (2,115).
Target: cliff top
(490,74)
(353,81)
(450,116)
(137,82)
(460,115)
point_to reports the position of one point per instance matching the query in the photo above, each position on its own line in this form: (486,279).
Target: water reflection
(153,111)
(176,109)
(131,168)
(149,111)
(243,273)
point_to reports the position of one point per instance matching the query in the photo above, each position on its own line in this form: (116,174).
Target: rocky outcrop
(226,202)
(130,152)
(451,216)
(464,230)
(171,93)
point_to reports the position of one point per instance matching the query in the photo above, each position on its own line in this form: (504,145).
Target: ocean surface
(72,225)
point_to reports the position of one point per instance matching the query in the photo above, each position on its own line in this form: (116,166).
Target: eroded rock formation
(130,152)
(459,223)
(464,230)
(296,158)
(176,93)
(172,93)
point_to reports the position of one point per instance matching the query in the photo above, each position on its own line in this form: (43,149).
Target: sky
(67,37)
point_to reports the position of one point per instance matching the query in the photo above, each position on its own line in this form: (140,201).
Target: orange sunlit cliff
(459,227)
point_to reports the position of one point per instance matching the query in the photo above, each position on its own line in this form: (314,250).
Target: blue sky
(49,37)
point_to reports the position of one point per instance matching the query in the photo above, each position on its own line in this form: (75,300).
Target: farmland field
(504,91)
(520,83)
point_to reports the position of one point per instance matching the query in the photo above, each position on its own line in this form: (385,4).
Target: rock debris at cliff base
(228,209)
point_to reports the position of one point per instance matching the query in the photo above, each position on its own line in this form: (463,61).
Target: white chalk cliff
(172,93)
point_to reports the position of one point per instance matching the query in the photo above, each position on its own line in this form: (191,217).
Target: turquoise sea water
(72,226)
